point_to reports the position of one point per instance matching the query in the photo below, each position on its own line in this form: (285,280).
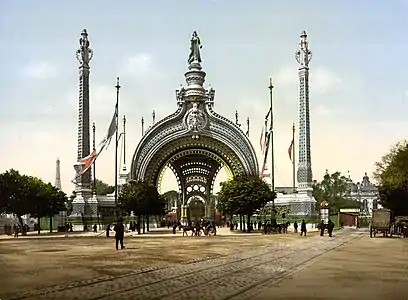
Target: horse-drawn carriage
(208,229)
(381,221)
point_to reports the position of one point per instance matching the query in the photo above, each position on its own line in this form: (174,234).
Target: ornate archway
(194,142)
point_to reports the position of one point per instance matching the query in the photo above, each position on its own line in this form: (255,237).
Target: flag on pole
(267,142)
(290,150)
(86,162)
(260,140)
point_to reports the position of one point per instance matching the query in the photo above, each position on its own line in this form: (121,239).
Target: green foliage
(22,194)
(334,189)
(170,198)
(197,209)
(141,198)
(102,188)
(244,195)
(392,176)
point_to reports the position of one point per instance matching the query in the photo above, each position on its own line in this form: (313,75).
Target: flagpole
(94,169)
(116,144)
(293,158)
(272,142)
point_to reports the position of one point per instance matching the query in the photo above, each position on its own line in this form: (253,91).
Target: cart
(381,221)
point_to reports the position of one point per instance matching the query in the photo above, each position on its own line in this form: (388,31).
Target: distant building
(366,193)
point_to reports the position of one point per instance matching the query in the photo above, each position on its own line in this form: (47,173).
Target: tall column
(304,172)
(83,188)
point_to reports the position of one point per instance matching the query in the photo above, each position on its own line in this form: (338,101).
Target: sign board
(350,210)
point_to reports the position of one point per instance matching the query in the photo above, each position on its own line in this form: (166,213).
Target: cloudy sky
(358,75)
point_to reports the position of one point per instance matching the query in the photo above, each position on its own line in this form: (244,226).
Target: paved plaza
(347,266)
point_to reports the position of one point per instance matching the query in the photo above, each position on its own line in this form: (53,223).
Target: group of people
(16,229)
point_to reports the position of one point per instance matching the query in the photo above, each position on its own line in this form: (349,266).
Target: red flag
(260,140)
(87,161)
(290,150)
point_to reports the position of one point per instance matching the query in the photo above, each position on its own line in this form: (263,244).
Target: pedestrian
(95,228)
(303,227)
(330,227)
(322,227)
(107,230)
(295,227)
(119,233)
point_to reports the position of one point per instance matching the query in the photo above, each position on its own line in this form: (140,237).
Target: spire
(303,55)
(58,175)
(84,54)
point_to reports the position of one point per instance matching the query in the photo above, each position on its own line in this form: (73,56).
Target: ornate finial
(270,84)
(236,118)
(84,54)
(117,84)
(142,120)
(247,121)
(195,46)
(303,55)
(154,116)
(124,120)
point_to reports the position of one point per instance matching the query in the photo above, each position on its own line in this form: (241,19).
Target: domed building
(366,193)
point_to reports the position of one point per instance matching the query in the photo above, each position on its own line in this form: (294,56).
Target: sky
(358,90)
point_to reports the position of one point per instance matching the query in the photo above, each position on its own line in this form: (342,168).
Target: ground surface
(227,267)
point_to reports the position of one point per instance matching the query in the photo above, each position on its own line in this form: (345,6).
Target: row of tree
(22,195)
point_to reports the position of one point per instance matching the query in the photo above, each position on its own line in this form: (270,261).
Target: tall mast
(94,148)
(142,121)
(293,158)
(124,143)
(271,133)
(116,143)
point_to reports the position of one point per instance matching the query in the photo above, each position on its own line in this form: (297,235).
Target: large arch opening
(191,166)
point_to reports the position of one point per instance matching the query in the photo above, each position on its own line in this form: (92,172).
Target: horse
(186,229)
(210,230)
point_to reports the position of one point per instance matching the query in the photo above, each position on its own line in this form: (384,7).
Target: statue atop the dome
(195,46)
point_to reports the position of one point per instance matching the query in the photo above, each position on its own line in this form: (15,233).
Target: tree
(141,199)
(334,189)
(171,198)
(244,195)
(102,188)
(391,174)
(22,194)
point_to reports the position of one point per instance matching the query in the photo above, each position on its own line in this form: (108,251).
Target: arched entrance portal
(194,142)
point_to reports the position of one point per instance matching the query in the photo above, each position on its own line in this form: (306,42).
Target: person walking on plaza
(95,228)
(322,227)
(295,227)
(303,227)
(330,227)
(107,230)
(119,233)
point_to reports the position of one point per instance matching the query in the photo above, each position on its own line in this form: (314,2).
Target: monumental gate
(194,142)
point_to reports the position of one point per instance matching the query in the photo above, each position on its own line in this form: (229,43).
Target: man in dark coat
(330,227)
(119,233)
(322,227)
(303,228)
